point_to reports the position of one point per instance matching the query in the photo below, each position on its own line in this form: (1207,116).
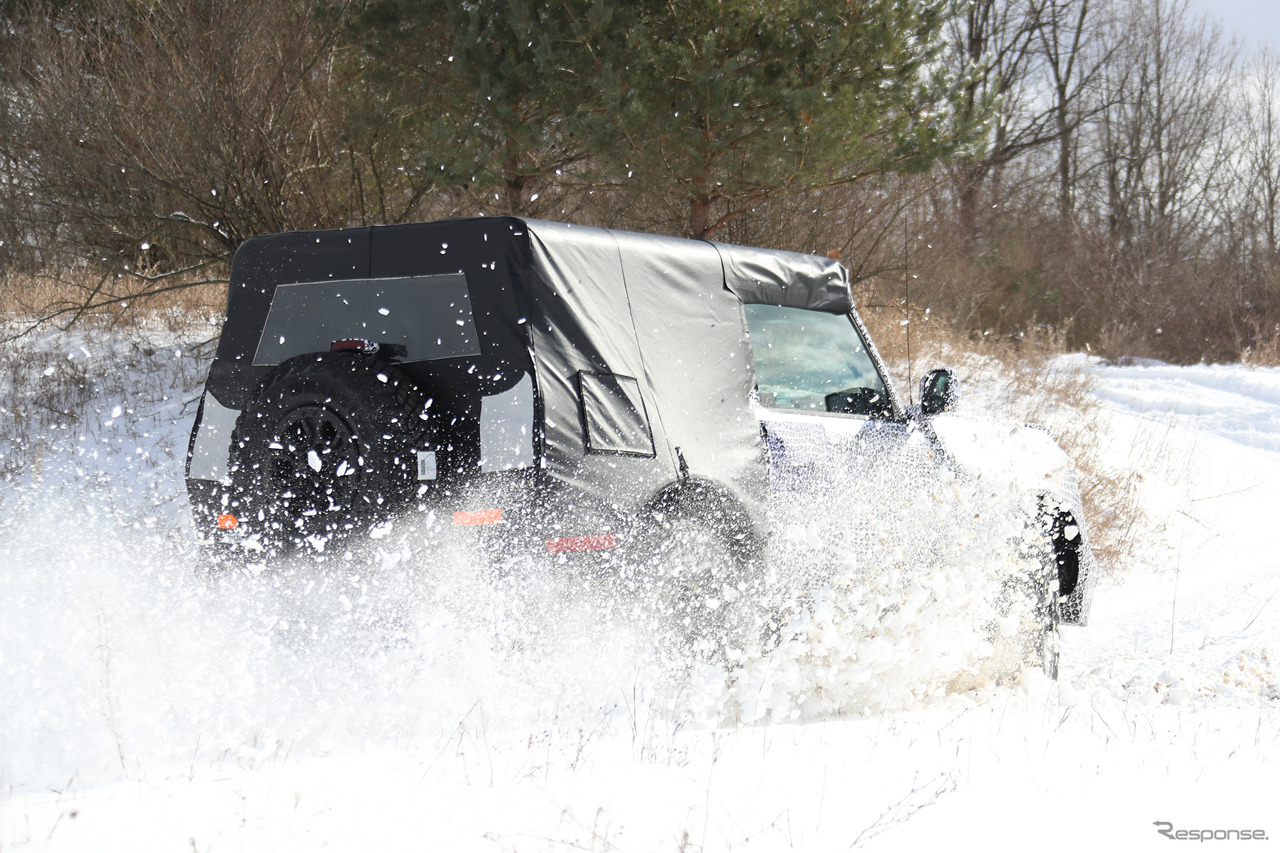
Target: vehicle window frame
(897,412)
(611,405)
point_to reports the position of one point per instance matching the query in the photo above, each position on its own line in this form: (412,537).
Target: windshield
(813,361)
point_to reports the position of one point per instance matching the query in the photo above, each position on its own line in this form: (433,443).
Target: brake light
(358,344)
(600,542)
(477,516)
(227,521)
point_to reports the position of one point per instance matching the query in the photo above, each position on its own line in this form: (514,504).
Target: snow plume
(922,602)
(119,661)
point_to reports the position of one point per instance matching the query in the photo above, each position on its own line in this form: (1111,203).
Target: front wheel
(1024,634)
(1040,640)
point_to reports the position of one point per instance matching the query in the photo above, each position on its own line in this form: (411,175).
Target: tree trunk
(700,209)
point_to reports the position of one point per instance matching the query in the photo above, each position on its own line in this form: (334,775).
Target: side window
(814,362)
(613,418)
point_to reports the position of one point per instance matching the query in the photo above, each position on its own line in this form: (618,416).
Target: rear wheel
(330,447)
(698,569)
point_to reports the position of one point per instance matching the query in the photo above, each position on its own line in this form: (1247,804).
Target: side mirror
(937,391)
(859,401)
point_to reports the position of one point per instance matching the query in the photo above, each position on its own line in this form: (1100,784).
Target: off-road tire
(1040,637)
(1025,636)
(329,447)
(697,568)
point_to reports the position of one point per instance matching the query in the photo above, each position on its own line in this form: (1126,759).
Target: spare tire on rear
(329,448)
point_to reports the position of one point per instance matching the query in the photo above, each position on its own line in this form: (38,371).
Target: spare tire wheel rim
(314,460)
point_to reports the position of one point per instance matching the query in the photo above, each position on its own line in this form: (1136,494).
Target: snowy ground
(388,706)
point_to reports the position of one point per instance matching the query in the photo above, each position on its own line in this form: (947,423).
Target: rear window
(613,415)
(814,362)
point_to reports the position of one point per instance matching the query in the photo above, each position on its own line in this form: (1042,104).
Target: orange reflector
(477,516)
(227,521)
(582,543)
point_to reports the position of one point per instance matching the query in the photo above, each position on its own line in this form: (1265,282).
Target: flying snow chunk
(313,460)
(117,412)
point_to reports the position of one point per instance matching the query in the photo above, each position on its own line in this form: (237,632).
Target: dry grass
(37,396)
(55,387)
(1264,351)
(65,298)
(47,387)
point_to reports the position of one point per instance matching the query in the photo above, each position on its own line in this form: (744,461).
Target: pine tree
(722,103)
(477,86)
(709,105)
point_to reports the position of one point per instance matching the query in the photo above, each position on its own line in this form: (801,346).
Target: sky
(1255,22)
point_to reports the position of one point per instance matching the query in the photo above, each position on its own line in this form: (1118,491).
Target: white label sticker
(426,464)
